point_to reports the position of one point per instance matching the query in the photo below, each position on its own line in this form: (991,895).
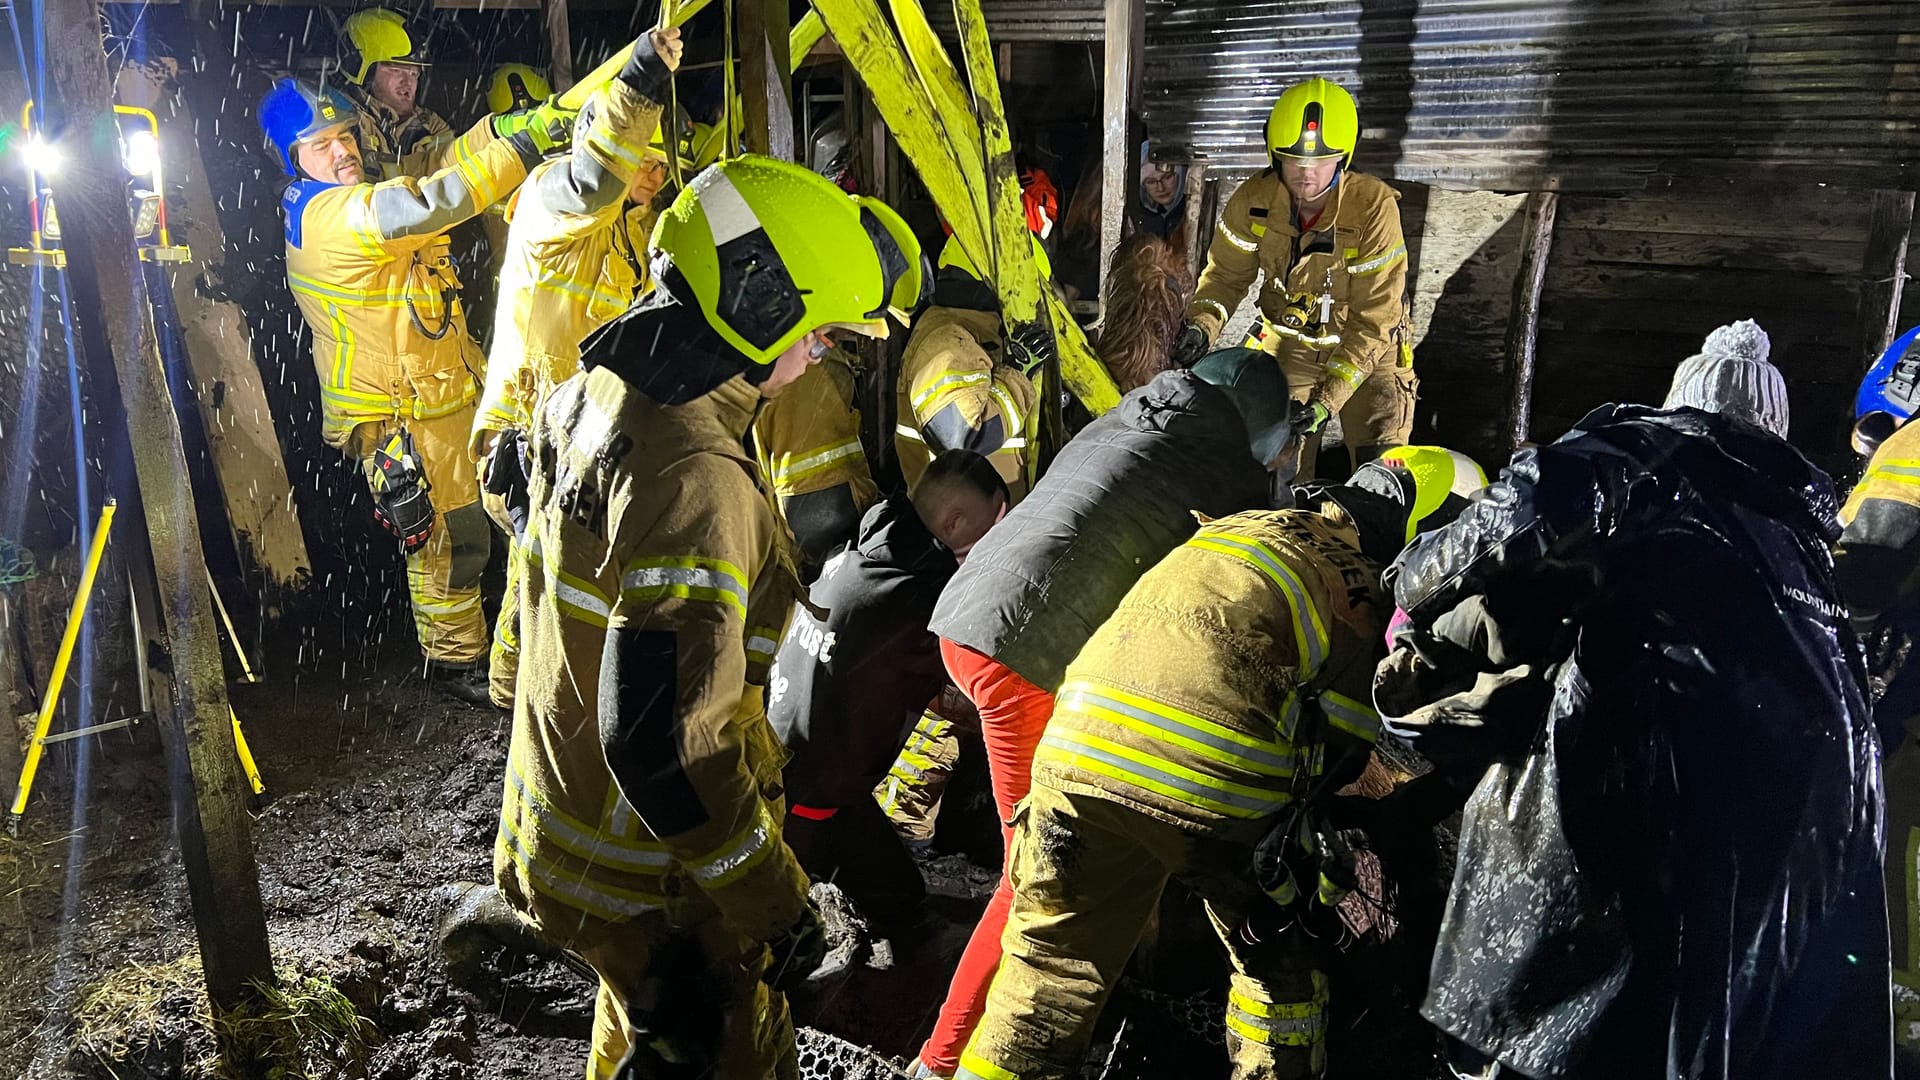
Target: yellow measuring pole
(76,616)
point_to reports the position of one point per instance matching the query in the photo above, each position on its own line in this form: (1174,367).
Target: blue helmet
(1892,385)
(293,111)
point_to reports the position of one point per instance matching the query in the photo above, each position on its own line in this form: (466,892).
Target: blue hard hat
(293,110)
(1892,385)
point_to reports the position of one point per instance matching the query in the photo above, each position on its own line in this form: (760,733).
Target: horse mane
(1148,288)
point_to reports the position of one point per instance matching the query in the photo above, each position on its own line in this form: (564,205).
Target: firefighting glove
(655,57)
(400,487)
(509,475)
(538,131)
(1031,346)
(1308,417)
(797,950)
(1189,346)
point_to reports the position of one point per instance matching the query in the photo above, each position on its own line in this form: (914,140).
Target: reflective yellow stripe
(1177,727)
(1894,471)
(367,298)
(1177,782)
(594,845)
(1378,262)
(574,596)
(1015,422)
(442,610)
(1244,243)
(570,888)
(343,350)
(1356,718)
(975,1067)
(582,290)
(690,578)
(949,380)
(789,469)
(738,855)
(604,138)
(1347,372)
(762,643)
(1302,1023)
(1309,630)
(907,431)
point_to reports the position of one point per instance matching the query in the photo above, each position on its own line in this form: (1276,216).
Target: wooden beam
(1523,324)
(1126,34)
(145,457)
(766,80)
(1197,233)
(232,401)
(559,46)
(1883,274)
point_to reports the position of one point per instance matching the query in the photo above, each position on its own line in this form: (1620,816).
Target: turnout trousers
(443,578)
(1087,875)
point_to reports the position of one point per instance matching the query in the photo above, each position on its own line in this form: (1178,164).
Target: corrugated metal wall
(1588,94)
(1028,20)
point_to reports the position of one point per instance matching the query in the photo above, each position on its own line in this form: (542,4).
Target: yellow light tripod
(50,701)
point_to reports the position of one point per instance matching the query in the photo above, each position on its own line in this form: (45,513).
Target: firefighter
(369,266)
(1120,495)
(641,819)
(1876,562)
(850,686)
(574,259)
(383,66)
(511,88)
(1335,307)
(960,386)
(1196,736)
(807,442)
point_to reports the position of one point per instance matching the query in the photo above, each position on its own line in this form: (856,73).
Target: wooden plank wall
(1633,285)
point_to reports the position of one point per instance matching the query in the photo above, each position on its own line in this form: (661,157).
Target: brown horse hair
(1148,287)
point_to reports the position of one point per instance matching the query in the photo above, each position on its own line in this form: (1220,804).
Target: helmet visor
(902,264)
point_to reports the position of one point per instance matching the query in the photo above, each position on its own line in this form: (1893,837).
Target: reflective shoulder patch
(293,202)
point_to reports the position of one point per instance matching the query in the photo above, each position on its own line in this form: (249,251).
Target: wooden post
(1119,171)
(766,80)
(559,46)
(1883,274)
(129,393)
(1198,229)
(232,400)
(1523,324)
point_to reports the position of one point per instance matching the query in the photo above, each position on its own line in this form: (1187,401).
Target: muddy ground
(384,792)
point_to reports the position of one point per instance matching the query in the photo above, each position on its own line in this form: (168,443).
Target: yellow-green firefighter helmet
(771,250)
(377,36)
(1313,121)
(514,87)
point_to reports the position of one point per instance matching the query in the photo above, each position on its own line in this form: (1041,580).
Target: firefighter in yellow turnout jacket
(574,259)
(1230,689)
(1334,304)
(959,388)
(640,825)
(808,444)
(370,268)
(383,66)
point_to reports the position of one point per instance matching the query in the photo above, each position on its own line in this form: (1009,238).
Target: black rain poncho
(1672,866)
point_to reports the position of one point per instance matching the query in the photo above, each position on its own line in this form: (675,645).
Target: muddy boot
(475,919)
(465,684)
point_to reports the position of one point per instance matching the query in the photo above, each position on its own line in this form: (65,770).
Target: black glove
(1308,417)
(797,950)
(1190,346)
(646,70)
(400,500)
(509,475)
(1032,346)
